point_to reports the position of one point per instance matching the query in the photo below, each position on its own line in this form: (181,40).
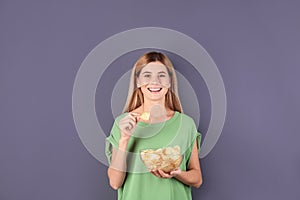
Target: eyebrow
(151,72)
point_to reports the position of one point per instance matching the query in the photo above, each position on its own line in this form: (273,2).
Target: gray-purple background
(255,45)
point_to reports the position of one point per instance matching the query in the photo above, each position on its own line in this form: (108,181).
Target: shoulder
(188,123)
(186,118)
(115,131)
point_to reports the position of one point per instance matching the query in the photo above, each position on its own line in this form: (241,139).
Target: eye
(162,75)
(147,75)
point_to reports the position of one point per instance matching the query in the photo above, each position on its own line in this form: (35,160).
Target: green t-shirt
(139,183)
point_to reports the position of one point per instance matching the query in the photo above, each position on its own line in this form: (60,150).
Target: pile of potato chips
(166,159)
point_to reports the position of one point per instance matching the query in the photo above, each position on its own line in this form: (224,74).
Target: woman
(153,89)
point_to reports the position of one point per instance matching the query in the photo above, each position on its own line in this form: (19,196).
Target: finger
(163,174)
(132,117)
(124,122)
(155,172)
(135,116)
(128,123)
(128,127)
(125,125)
(138,118)
(127,118)
(131,123)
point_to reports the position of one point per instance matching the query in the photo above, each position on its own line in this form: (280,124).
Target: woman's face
(154,81)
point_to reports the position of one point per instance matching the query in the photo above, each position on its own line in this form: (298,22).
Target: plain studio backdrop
(255,45)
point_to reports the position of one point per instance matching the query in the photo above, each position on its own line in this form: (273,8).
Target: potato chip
(166,159)
(145,116)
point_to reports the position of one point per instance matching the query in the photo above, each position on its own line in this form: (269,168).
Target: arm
(117,169)
(192,176)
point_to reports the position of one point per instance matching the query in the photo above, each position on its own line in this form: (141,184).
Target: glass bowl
(165,159)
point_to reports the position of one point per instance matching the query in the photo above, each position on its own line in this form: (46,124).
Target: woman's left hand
(161,174)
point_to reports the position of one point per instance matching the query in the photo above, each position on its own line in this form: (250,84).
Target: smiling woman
(152,70)
(154,81)
(153,102)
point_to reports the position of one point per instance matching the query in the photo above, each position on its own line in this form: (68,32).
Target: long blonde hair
(135,96)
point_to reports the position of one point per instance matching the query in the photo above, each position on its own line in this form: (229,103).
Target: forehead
(154,67)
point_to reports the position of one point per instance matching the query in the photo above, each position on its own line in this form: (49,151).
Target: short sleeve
(196,137)
(112,141)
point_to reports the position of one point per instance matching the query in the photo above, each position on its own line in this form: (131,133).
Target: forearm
(117,169)
(191,177)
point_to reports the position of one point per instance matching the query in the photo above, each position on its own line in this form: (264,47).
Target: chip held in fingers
(165,159)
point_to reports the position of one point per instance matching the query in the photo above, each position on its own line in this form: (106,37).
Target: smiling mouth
(154,90)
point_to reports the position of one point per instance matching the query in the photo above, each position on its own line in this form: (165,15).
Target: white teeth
(154,89)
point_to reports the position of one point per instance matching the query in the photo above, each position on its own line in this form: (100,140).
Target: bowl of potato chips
(165,159)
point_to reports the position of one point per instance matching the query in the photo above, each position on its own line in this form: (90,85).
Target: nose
(154,80)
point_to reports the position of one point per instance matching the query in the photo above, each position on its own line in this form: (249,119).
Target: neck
(150,104)
(157,109)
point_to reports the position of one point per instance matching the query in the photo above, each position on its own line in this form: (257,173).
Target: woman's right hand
(117,169)
(127,125)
